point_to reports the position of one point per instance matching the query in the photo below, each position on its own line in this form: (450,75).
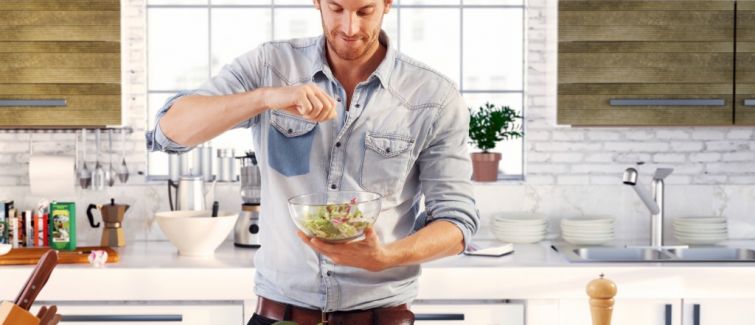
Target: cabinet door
(60,63)
(744,104)
(150,314)
(468,314)
(645,62)
(719,312)
(625,312)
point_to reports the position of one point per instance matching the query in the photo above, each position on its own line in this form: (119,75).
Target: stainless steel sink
(613,254)
(650,254)
(715,254)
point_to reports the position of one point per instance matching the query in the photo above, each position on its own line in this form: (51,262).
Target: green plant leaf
(490,124)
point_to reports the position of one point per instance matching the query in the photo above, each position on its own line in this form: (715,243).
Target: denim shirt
(404,136)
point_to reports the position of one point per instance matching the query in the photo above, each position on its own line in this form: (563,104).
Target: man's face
(352,27)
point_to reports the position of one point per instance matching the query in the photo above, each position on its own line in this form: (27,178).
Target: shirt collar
(382,72)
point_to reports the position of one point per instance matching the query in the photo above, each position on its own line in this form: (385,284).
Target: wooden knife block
(10,314)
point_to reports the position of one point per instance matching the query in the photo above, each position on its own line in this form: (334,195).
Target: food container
(335,216)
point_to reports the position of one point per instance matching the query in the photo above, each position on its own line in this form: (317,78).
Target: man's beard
(347,52)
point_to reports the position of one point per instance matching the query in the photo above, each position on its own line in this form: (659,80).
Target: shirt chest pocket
(290,143)
(385,162)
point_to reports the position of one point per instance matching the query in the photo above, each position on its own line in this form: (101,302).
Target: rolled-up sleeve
(445,170)
(244,74)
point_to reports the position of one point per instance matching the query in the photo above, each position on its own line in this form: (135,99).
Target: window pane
(493,49)
(240,140)
(240,2)
(237,31)
(176,2)
(390,26)
(428,2)
(177,48)
(432,37)
(495,2)
(294,2)
(297,23)
(511,162)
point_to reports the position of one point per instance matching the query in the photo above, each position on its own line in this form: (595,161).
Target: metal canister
(174,167)
(206,159)
(226,165)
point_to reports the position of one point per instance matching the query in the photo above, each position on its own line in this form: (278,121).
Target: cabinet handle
(696,314)
(749,102)
(34,102)
(438,317)
(667,102)
(121,318)
(667,314)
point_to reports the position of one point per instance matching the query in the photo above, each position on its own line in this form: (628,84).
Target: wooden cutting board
(23,256)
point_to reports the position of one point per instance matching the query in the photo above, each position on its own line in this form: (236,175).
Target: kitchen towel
(51,177)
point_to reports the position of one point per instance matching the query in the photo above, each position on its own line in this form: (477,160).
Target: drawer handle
(696,314)
(438,317)
(749,102)
(667,314)
(667,102)
(122,318)
(34,102)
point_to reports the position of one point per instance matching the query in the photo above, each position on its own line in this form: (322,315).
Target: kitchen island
(535,275)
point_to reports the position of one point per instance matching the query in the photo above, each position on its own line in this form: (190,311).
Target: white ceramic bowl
(196,233)
(5,248)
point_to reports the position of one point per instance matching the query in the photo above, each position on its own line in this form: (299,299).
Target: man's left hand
(367,253)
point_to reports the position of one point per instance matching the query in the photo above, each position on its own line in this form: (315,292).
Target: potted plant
(488,125)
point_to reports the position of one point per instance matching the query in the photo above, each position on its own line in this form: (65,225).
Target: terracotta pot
(485,166)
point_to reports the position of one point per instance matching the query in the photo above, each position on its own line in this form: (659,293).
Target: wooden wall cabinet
(55,51)
(647,62)
(744,106)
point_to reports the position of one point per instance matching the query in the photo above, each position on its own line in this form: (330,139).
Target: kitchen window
(477,43)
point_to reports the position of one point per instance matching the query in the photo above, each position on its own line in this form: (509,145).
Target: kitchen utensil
(112,215)
(246,231)
(31,255)
(335,216)
(190,194)
(37,280)
(110,175)
(48,316)
(98,177)
(215,207)
(250,178)
(196,233)
(85,175)
(601,292)
(123,170)
(5,248)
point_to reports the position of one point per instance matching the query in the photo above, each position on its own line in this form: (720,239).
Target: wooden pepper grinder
(601,292)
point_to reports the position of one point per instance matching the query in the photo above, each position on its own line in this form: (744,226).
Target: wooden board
(30,256)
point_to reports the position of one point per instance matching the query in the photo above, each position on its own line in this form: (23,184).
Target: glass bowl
(335,216)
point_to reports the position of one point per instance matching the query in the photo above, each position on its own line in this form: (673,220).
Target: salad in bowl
(335,216)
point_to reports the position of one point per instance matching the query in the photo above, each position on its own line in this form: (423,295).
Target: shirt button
(329,273)
(338,99)
(387,150)
(357,105)
(332,186)
(338,144)
(290,131)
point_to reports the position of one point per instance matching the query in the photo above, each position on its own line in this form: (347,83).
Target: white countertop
(154,271)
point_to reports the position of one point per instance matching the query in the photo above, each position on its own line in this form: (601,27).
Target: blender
(246,231)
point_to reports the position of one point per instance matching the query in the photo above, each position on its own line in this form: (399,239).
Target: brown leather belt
(396,315)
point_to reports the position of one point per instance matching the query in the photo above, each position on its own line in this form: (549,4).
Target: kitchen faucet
(654,203)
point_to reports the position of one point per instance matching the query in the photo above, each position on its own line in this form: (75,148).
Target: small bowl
(196,233)
(335,216)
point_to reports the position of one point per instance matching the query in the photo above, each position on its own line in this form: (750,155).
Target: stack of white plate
(519,228)
(588,230)
(700,230)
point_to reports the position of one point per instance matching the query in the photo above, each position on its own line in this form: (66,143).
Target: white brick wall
(568,156)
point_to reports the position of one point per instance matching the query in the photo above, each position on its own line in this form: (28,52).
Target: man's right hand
(306,100)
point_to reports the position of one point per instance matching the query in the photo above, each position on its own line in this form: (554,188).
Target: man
(343,111)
